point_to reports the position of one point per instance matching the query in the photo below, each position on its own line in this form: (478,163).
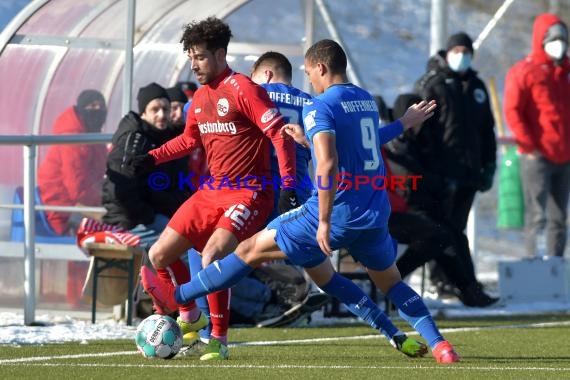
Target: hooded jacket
(462,129)
(70,174)
(537,90)
(131,201)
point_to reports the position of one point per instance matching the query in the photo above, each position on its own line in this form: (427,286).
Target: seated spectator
(144,203)
(189,88)
(177,101)
(136,202)
(383,109)
(427,239)
(72,175)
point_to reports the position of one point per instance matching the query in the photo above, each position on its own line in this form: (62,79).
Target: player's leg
(249,254)
(363,307)
(413,310)
(227,272)
(376,251)
(219,244)
(295,235)
(165,256)
(187,228)
(196,342)
(214,280)
(195,263)
(241,214)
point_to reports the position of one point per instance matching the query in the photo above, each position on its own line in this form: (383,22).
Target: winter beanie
(556,32)
(189,88)
(402,103)
(89,96)
(460,39)
(149,93)
(176,95)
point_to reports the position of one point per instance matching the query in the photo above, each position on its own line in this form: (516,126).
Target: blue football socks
(413,310)
(359,304)
(221,274)
(195,263)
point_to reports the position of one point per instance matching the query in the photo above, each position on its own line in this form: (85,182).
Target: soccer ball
(158,336)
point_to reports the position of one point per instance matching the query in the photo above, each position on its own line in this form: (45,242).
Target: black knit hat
(383,109)
(89,96)
(176,95)
(149,93)
(460,39)
(189,88)
(556,32)
(402,103)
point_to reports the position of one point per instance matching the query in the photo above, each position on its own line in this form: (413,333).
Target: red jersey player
(233,120)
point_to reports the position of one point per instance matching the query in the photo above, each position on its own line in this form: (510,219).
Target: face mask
(93,119)
(459,62)
(555,49)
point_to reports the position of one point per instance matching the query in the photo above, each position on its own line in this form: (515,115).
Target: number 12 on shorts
(239,214)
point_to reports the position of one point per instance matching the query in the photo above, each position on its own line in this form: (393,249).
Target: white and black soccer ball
(158,336)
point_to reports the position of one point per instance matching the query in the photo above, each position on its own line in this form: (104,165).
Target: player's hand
(287,200)
(135,165)
(417,113)
(296,132)
(323,238)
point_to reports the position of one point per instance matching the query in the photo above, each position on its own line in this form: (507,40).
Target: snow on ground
(59,328)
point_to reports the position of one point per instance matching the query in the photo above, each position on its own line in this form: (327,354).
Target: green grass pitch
(498,348)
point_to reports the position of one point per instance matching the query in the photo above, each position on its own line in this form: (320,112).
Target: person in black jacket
(411,221)
(144,203)
(458,143)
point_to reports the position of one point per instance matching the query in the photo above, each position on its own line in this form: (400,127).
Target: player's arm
(285,151)
(255,103)
(297,133)
(287,162)
(326,171)
(414,116)
(182,144)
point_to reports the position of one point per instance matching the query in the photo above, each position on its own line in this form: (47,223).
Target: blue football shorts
(296,237)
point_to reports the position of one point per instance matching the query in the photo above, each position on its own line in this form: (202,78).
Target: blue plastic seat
(44,232)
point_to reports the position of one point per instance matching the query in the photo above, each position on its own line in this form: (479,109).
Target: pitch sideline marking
(280,342)
(292,366)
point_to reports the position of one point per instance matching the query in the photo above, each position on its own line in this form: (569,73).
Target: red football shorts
(242,212)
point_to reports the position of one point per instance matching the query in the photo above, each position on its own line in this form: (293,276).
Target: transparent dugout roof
(52,50)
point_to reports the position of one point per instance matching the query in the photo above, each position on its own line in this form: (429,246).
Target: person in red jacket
(72,175)
(537,90)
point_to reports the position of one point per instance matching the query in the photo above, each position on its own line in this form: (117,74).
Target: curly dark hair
(212,31)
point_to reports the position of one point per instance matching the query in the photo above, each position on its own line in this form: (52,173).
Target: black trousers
(457,207)
(427,240)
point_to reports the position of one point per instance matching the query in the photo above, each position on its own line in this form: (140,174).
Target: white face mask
(459,62)
(555,49)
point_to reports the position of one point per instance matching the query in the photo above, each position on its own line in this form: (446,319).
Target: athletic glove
(287,200)
(486,177)
(135,165)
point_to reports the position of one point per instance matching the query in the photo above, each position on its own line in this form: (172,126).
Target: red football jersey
(232,118)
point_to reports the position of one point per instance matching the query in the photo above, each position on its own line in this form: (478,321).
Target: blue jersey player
(274,72)
(347,211)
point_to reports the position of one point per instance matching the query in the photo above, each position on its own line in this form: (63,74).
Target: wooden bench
(113,261)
